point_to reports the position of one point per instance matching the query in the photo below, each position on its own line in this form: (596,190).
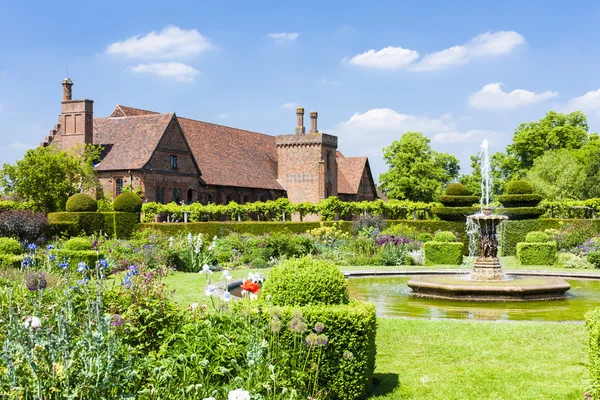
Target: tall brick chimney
(300,118)
(313,122)
(67,89)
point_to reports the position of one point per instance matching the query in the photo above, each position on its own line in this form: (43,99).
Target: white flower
(209,398)
(206,269)
(171,241)
(193,306)
(210,290)
(227,275)
(239,394)
(32,322)
(226,296)
(189,237)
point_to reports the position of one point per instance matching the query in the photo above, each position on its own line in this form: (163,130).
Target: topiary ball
(425,237)
(537,237)
(78,243)
(10,246)
(519,187)
(304,281)
(81,202)
(457,189)
(444,236)
(128,202)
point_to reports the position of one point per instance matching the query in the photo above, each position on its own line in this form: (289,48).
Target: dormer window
(173,162)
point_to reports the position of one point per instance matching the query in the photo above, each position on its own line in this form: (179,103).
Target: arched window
(119,186)
(190,196)
(209,198)
(177,195)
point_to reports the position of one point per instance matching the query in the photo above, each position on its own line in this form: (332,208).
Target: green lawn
(421,359)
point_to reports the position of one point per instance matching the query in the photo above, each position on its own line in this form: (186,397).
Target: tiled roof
(124,111)
(350,172)
(129,142)
(232,157)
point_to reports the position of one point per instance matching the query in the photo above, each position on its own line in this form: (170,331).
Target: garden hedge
(443,253)
(519,187)
(114,224)
(592,325)
(81,202)
(537,237)
(10,261)
(10,246)
(457,189)
(458,201)
(519,200)
(348,361)
(521,213)
(128,202)
(536,253)
(454,213)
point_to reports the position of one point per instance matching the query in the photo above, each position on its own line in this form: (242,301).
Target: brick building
(171,158)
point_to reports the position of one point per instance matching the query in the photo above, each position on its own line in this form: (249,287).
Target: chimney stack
(300,118)
(313,122)
(67,89)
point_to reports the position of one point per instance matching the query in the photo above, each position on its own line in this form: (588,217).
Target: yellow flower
(58,368)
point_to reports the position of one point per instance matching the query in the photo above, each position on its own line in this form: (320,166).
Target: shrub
(454,213)
(537,237)
(117,224)
(259,263)
(592,325)
(572,261)
(519,187)
(520,213)
(519,200)
(457,189)
(27,226)
(425,237)
(444,236)
(78,243)
(458,201)
(10,261)
(81,202)
(536,253)
(400,230)
(128,202)
(368,223)
(443,253)
(10,246)
(594,258)
(306,281)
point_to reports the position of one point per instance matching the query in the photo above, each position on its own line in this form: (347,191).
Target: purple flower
(32,247)
(50,247)
(26,262)
(322,340)
(83,281)
(64,265)
(116,320)
(82,267)
(103,264)
(36,281)
(133,269)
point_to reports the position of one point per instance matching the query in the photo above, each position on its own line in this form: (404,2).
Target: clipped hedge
(458,201)
(536,253)
(443,253)
(115,224)
(457,189)
(519,200)
(537,237)
(444,236)
(454,213)
(519,187)
(10,261)
(592,326)
(74,257)
(348,360)
(81,202)
(10,246)
(520,213)
(304,281)
(128,202)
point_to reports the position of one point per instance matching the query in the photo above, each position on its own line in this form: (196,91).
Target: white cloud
(173,70)
(387,58)
(20,146)
(468,136)
(283,37)
(382,121)
(171,42)
(485,44)
(289,105)
(588,103)
(492,97)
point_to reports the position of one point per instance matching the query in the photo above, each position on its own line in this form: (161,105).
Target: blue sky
(373,70)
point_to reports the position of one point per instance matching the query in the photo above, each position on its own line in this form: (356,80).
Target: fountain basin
(513,288)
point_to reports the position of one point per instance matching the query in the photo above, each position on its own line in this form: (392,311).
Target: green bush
(572,261)
(348,360)
(444,236)
(443,253)
(259,263)
(400,229)
(74,257)
(519,200)
(454,213)
(116,224)
(121,225)
(537,237)
(128,202)
(536,253)
(78,243)
(425,237)
(458,201)
(457,189)
(61,229)
(10,246)
(592,325)
(10,261)
(520,213)
(519,187)
(306,281)
(594,258)
(81,202)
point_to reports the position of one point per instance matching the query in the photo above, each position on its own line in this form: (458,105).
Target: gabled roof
(232,157)
(129,142)
(124,111)
(350,173)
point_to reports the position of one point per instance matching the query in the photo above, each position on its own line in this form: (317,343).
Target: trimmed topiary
(128,202)
(425,237)
(454,213)
(458,201)
(443,253)
(457,189)
(537,237)
(78,244)
(444,236)
(519,200)
(10,246)
(519,187)
(519,213)
(536,253)
(81,202)
(305,281)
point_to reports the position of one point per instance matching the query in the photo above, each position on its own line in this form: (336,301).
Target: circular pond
(391,296)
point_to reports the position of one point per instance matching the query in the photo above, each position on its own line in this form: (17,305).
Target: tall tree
(47,176)
(559,175)
(416,172)
(473,180)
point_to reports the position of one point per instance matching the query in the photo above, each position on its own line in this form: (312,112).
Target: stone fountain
(486,281)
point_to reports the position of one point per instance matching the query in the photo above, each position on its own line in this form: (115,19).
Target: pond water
(392,298)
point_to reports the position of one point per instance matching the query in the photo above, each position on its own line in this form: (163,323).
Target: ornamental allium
(322,340)
(275,325)
(238,394)
(32,322)
(36,281)
(319,326)
(311,339)
(82,267)
(297,324)
(116,320)
(348,355)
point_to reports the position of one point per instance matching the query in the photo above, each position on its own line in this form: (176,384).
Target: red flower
(250,286)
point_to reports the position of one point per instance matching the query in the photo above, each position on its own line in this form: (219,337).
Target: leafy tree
(559,175)
(47,176)
(532,139)
(416,172)
(473,180)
